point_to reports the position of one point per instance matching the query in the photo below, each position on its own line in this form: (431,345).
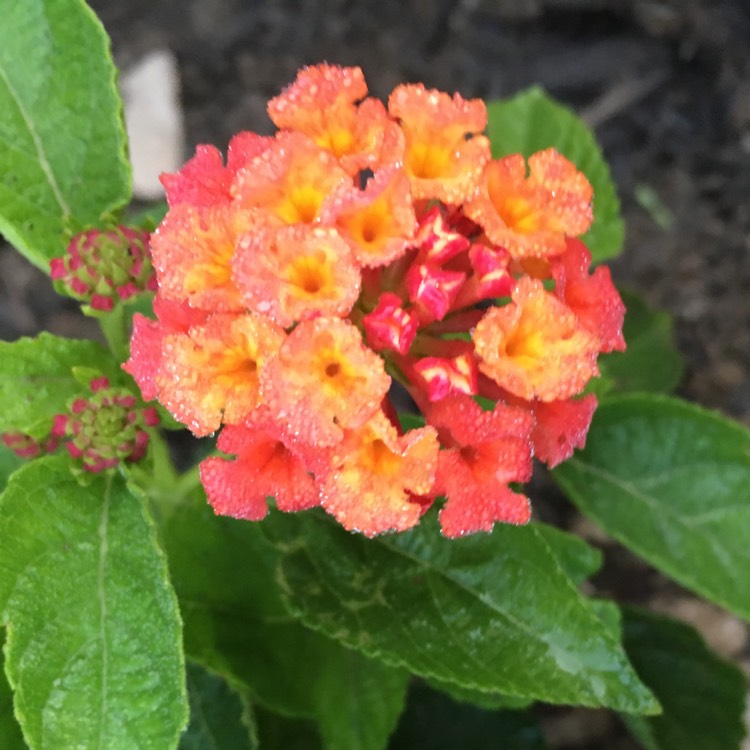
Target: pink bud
(389,326)
(437,242)
(73,449)
(100,302)
(433,290)
(128,290)
(57,268)
(60,425)
(491,267)
(79,286)
(491,277)
(79,405)
(97,384)
(441,377)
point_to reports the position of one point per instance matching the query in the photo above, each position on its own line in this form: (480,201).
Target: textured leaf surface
(62,143)
(37,380)
(490,612)
(93,649)
(703,697)
(357,700)
(672,482)
(578,559)
(235,622)
(530,122)
(433,721)
(9,462)
(10,732)
(651,362)
(220,717)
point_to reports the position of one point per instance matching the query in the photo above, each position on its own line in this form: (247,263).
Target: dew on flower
(530,215)
(535,347)
(365,246)
(211,374)
(373,473)
(325,379)
(296,273)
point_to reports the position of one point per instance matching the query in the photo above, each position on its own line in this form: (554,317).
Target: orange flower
(445,154)
(484,451)
(192,252)
(372,474)
(531,215)
(324,380)
(211,373)
(535,347)
(378,221)
(148,337)
(296,273)
(289,180)
(264,467)
(322,104)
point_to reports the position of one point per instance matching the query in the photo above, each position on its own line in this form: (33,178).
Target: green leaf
(10,732)
(63,158)
(484,612)
(530,122)
(672,482)
(702,696)
(220,717)
(235,621)
(283,733)
(651,362)
(433,721)
(94,651)
(578,559)
(357,700)
(9,462)
(37,379)
(479,698)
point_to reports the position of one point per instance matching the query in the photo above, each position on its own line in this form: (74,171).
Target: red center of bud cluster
(366,245)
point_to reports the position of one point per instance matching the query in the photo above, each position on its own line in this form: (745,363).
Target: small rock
(154,122)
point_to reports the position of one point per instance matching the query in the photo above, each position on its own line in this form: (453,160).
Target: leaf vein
(38,145)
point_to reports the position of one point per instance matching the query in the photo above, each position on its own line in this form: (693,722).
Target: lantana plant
(285,501)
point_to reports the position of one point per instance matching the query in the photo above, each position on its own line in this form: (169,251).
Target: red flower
(264,467)
(483,452)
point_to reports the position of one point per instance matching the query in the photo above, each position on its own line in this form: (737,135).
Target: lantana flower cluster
(366,255)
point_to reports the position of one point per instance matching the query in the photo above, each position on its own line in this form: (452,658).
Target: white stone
(154,122)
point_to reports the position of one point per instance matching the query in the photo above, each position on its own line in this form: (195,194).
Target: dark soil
(664,83)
